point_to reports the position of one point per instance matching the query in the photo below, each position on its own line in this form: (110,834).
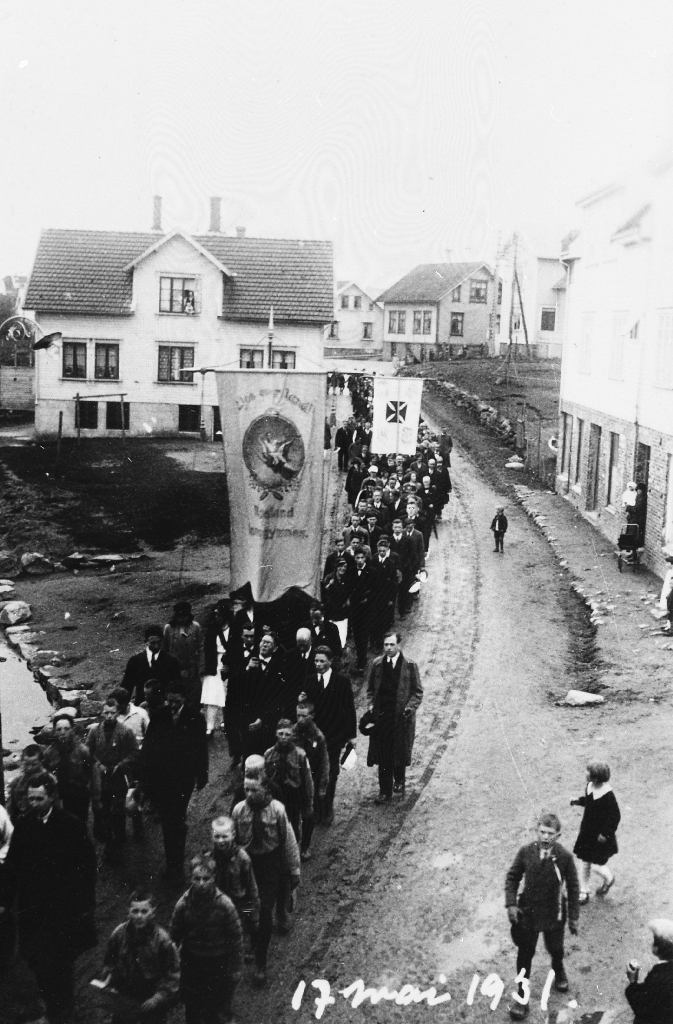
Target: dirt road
(412,894)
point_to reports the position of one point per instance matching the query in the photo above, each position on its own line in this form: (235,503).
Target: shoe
(561,982)
(519,1012)
(382,799)
(399,788)
(604,889)
(305,855)
(584,898)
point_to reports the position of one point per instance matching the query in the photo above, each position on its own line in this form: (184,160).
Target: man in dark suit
(394,693)
(299,660)
(415,561)
(324,633)
(332,696)
(152,663)
(334,556)
(172,762)
(387,569)
(361,579)
(342,442)
(269,695)
(50,880)
(236,660)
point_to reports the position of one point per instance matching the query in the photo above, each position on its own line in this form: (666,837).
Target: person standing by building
(548,872)
(652,999)
(394,693)
(597,841)
(263,830)
(141,966)
(207,931)
(50,881)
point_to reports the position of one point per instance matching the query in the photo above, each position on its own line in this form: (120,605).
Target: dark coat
(268,695)
(401,548)
(335,596)
(167,669)
(542,898)
(409,697)
(499,524)
(601,818)
(328,637)
(386,580)
(342,439)
(50,878)
(652,1001)
(174,754)
(416,551)
(334,709)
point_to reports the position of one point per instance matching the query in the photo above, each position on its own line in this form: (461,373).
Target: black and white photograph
(336,512)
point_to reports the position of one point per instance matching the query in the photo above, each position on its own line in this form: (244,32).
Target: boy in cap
(550,894)
(499,528)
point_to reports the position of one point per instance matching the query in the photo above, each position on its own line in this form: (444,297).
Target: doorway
(593,466)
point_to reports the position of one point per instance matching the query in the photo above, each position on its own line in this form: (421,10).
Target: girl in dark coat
(597,842)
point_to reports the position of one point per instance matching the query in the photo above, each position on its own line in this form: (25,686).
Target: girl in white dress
(216,644)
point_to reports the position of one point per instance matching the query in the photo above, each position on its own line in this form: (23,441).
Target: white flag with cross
(397,410)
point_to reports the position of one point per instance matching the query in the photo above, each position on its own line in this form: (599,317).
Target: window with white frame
(282,360)
(455,294)
(548,319)
(397,322)
(499,293)
(251,358)
(664,352)
(74,359)
(173,361)
(457,325)
(586,342)
(178,295)
(616,367)
(106,365)
(367,330)
(344,301)
(418,321)
(427,322)
(478,291)
(357,302)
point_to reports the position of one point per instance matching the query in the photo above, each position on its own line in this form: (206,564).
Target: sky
(399,131)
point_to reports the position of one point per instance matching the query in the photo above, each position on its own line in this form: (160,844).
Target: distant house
(358,323)
(438,310)
(543,287)
(617,370)
(138,310)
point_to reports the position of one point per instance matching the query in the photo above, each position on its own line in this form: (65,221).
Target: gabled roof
(341,286)
(177,233)
(429,282)
(84,272)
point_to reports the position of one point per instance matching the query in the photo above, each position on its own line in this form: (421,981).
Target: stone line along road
(413,894)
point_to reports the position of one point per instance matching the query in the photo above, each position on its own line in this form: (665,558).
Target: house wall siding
(154,405)
(17,390)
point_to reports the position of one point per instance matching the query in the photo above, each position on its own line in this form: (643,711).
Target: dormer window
(177,295)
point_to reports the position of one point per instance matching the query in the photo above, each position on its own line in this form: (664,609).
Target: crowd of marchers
(285,701)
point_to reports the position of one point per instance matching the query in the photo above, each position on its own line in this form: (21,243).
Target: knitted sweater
(208,926)
(542,899)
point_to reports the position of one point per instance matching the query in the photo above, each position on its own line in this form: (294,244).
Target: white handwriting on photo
(492,987)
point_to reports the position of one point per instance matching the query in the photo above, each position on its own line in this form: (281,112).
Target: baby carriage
(628,542)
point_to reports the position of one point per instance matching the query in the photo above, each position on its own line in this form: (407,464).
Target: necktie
(320,679)
(154,660)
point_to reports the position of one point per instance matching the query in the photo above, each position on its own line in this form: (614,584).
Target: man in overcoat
(50,881)
(394,693)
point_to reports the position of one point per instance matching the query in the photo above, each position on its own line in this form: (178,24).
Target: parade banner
(273,434)
(397,410)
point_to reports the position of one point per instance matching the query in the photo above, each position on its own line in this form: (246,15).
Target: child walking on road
(596,842)
(499,527)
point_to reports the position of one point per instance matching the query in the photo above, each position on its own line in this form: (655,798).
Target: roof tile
(428,282)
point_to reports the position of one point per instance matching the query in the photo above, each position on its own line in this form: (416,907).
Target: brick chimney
(215,203)
(240,232)
(156,226)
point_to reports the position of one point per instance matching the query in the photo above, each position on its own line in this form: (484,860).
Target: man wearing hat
(652,999)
